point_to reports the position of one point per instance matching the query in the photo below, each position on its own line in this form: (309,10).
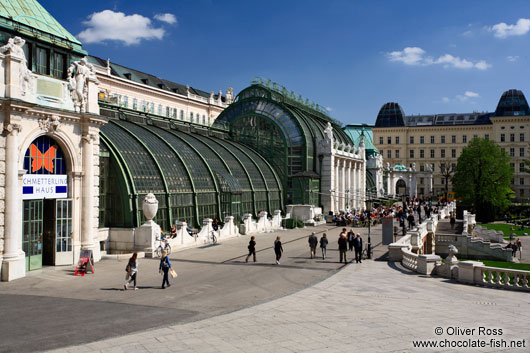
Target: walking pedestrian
(343,247)
(519,247)
(358,244)
(278,249)
(313,241)
(452,219)
(351,236)
(164,267)
(323,245)
(132,270)
(251,248)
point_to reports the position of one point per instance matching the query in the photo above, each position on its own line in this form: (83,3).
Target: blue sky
(349,56)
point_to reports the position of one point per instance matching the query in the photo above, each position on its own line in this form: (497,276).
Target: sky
(348,56)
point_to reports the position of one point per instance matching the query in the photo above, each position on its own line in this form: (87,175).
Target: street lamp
(369,206)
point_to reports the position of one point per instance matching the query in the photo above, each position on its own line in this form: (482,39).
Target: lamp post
(369,207)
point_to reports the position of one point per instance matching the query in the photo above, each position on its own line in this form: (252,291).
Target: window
(442,153)
(175,113)
(503,138)
(453,153)
(475,136)
(453,166)
(412,140)
(422,168)
(521,137)
(167,111)
(204,119)
(512,152)
(422,154)
(422,191)
(160,109)
(380,140)
(521,167)
(389,140)
(453,139)
(422,139)
(521,181)
(397,153)
(135,104)
(512,137)
(521,192)
(397,140)
(521,152)
(411,152)
(421,181)
(432,153)
(152,108)
(182,115)
(442,181)
(389,154)
(144,106)
(443,139)
(464,139)
(487,137)
(59,65)
(191,116)
(512,165)
(42,63)
(432,139)
(125,102)
(442,167)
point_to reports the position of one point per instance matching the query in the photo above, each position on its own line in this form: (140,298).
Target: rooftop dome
(512,103)
(390,115)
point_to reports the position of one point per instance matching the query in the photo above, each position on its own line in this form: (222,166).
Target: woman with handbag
(165,265)
(132,270)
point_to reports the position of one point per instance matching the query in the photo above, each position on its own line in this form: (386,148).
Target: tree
(447,170)
(482,179)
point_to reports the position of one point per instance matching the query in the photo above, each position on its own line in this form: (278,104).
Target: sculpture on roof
(361,141)
(79,73)
(14,47)
(414,166)
(229,95)
(328,132)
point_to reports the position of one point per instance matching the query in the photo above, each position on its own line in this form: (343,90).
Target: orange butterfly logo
(40,160)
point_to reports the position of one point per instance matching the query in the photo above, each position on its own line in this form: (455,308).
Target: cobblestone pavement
(370,307)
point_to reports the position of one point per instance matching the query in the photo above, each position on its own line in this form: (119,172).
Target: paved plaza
(370,307)
(221,304)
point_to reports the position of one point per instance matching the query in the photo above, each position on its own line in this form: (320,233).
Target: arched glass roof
(390,115)
(512,103)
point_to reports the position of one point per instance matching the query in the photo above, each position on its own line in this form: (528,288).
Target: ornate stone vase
(150,206)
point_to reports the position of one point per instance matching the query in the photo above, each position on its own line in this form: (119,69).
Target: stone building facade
(436,141)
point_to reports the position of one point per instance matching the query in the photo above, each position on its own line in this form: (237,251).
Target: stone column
(87,204)
(343,185)
(327,182)
(337,181)
(356,185)
(14,262)
(348,184)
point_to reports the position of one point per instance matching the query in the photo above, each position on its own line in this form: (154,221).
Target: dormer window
(127,75)
(175,90)
(144,81)
(161,85)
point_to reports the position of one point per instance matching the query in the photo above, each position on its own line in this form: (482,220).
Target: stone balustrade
(263,224)
(475,272)
(491,235)
(410,259)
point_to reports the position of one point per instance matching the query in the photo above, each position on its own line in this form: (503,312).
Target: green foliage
(482,179)
(289,223)
(506,228)
(299,224)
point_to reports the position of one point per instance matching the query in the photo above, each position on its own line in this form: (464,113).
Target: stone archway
(401,187)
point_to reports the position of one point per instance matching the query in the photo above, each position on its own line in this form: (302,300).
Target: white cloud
(468,95)
(512,58)
(166,17)
(110,25)
(503,30)
(467,34)
(416,56)
(409,56)
(329,109)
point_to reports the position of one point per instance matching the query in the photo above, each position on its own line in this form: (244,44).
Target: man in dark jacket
(358,245)
(313,241)
(343,247)
(351,236)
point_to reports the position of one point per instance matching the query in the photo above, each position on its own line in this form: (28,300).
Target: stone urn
(150,207)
